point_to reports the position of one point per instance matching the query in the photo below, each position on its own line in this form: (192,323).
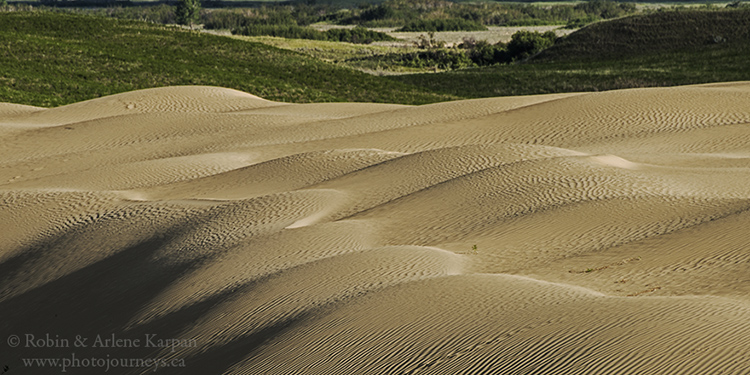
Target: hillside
(659,49)
(642,35)
(50,59)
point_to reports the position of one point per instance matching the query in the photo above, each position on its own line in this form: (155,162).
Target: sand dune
(556,234)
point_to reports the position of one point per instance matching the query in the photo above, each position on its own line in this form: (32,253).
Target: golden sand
(596,233)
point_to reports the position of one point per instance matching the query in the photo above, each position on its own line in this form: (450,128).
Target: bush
(429,41)
(483,53)
(522,45)
(526,43)
(187,12)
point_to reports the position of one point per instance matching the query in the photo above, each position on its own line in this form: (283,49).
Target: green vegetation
(480,53)
(187,12)
(451,24)
(432,55)
(437,58)
(676,68)
(371,58)
(356,35)
(286,22)
(660,49)
(299,14)
(292,19)
(412,15)
(50,59)
(403,12)
(527,43)
(656,33)
(580,22)
(163,14)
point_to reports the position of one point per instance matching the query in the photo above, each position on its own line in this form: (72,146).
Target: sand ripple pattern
(600,233)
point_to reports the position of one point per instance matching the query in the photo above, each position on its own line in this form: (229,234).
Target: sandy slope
(610,232)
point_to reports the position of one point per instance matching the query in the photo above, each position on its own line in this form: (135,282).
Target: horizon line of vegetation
(293,19)
(409,15)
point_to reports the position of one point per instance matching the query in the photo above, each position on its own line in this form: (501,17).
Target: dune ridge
(551,234)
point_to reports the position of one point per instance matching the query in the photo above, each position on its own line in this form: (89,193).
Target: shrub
(429,41)
(187,12)
(444,59)
(522,45)
(484,53)
(526,43)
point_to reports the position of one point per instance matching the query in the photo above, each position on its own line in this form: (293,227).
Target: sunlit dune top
(184,99)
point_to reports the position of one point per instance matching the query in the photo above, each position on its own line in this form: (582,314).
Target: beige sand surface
(271,238)
(492,35)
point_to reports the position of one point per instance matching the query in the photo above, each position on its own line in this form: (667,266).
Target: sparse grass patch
(649,290)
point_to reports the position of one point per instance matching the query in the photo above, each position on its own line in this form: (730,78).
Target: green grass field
(50,59)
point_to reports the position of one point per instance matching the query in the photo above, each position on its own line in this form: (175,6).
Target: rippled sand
(595,233)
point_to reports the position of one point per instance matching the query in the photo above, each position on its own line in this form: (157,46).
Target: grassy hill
(50,59)
(642,35)
(660,49)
